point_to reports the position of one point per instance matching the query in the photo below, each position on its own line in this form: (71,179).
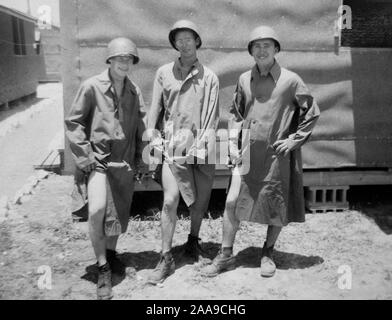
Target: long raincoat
(189,106)
(107,132)
(273,107)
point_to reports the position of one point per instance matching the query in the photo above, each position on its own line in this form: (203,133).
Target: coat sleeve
(235,123)
(206,136)
(141,141)
(309,113)
(76,125)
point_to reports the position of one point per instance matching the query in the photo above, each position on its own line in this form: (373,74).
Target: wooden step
(52,159)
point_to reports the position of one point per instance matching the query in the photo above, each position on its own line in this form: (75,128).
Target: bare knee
(229,214)
(96,212)
(170,203)
(232,196)
(231,205)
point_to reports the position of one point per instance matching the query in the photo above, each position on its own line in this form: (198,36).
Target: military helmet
(183,25)
(122,47)
(263,32)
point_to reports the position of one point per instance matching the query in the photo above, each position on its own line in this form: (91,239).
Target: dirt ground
(26,131)
(40,232)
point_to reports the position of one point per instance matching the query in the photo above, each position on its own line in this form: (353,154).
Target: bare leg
(225,260)
(171,198)
(230,221)
(97,192)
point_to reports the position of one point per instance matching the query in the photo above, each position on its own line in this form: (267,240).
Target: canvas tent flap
(311,23)
(352,88)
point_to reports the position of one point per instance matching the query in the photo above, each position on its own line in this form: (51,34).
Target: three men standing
(107,121)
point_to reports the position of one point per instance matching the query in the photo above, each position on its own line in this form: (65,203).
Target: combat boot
(267,265)
(220,264)
(163,270)
(104,283)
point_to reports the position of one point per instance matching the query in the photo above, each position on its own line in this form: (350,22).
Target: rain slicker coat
(274,107)
(107,132)
(191,106)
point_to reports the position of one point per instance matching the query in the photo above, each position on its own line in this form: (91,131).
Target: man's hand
(283,147)
(230,164)
(140,176)
(90,168)
(156,144)
(142,171)
(234,158)
(155,140)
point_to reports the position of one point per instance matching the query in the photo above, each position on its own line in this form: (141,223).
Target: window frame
(19,36)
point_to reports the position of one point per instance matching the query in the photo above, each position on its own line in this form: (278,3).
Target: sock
(193,238)
(104,268)
(168,256)
(265,245)
(227,252)
(110,253)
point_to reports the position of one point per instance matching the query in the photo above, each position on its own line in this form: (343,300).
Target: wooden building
(21,60)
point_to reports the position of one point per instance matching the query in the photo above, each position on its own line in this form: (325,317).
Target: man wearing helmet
(185,96)
(275,108)
(105,127)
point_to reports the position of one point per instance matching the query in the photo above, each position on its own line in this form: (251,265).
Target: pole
(28,7)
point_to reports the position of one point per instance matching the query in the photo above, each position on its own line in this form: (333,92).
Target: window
(371,24)
(19,36)
(37,41)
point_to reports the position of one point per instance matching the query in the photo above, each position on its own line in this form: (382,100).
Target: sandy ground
(26,130)
(40,232)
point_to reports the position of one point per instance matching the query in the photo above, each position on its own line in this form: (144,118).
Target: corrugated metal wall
(352,87)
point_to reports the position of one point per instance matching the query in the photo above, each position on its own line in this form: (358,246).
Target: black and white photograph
(211,152)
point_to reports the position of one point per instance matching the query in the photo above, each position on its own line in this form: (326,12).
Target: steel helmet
(180,25)
(122,47)
(263,32)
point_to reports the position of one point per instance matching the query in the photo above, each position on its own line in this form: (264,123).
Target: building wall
(352,87)
(372,26)
(18,74)
(51,49)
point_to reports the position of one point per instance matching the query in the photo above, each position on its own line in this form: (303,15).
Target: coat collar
(275,72)
(105,82)
(178,64)
(196,67)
